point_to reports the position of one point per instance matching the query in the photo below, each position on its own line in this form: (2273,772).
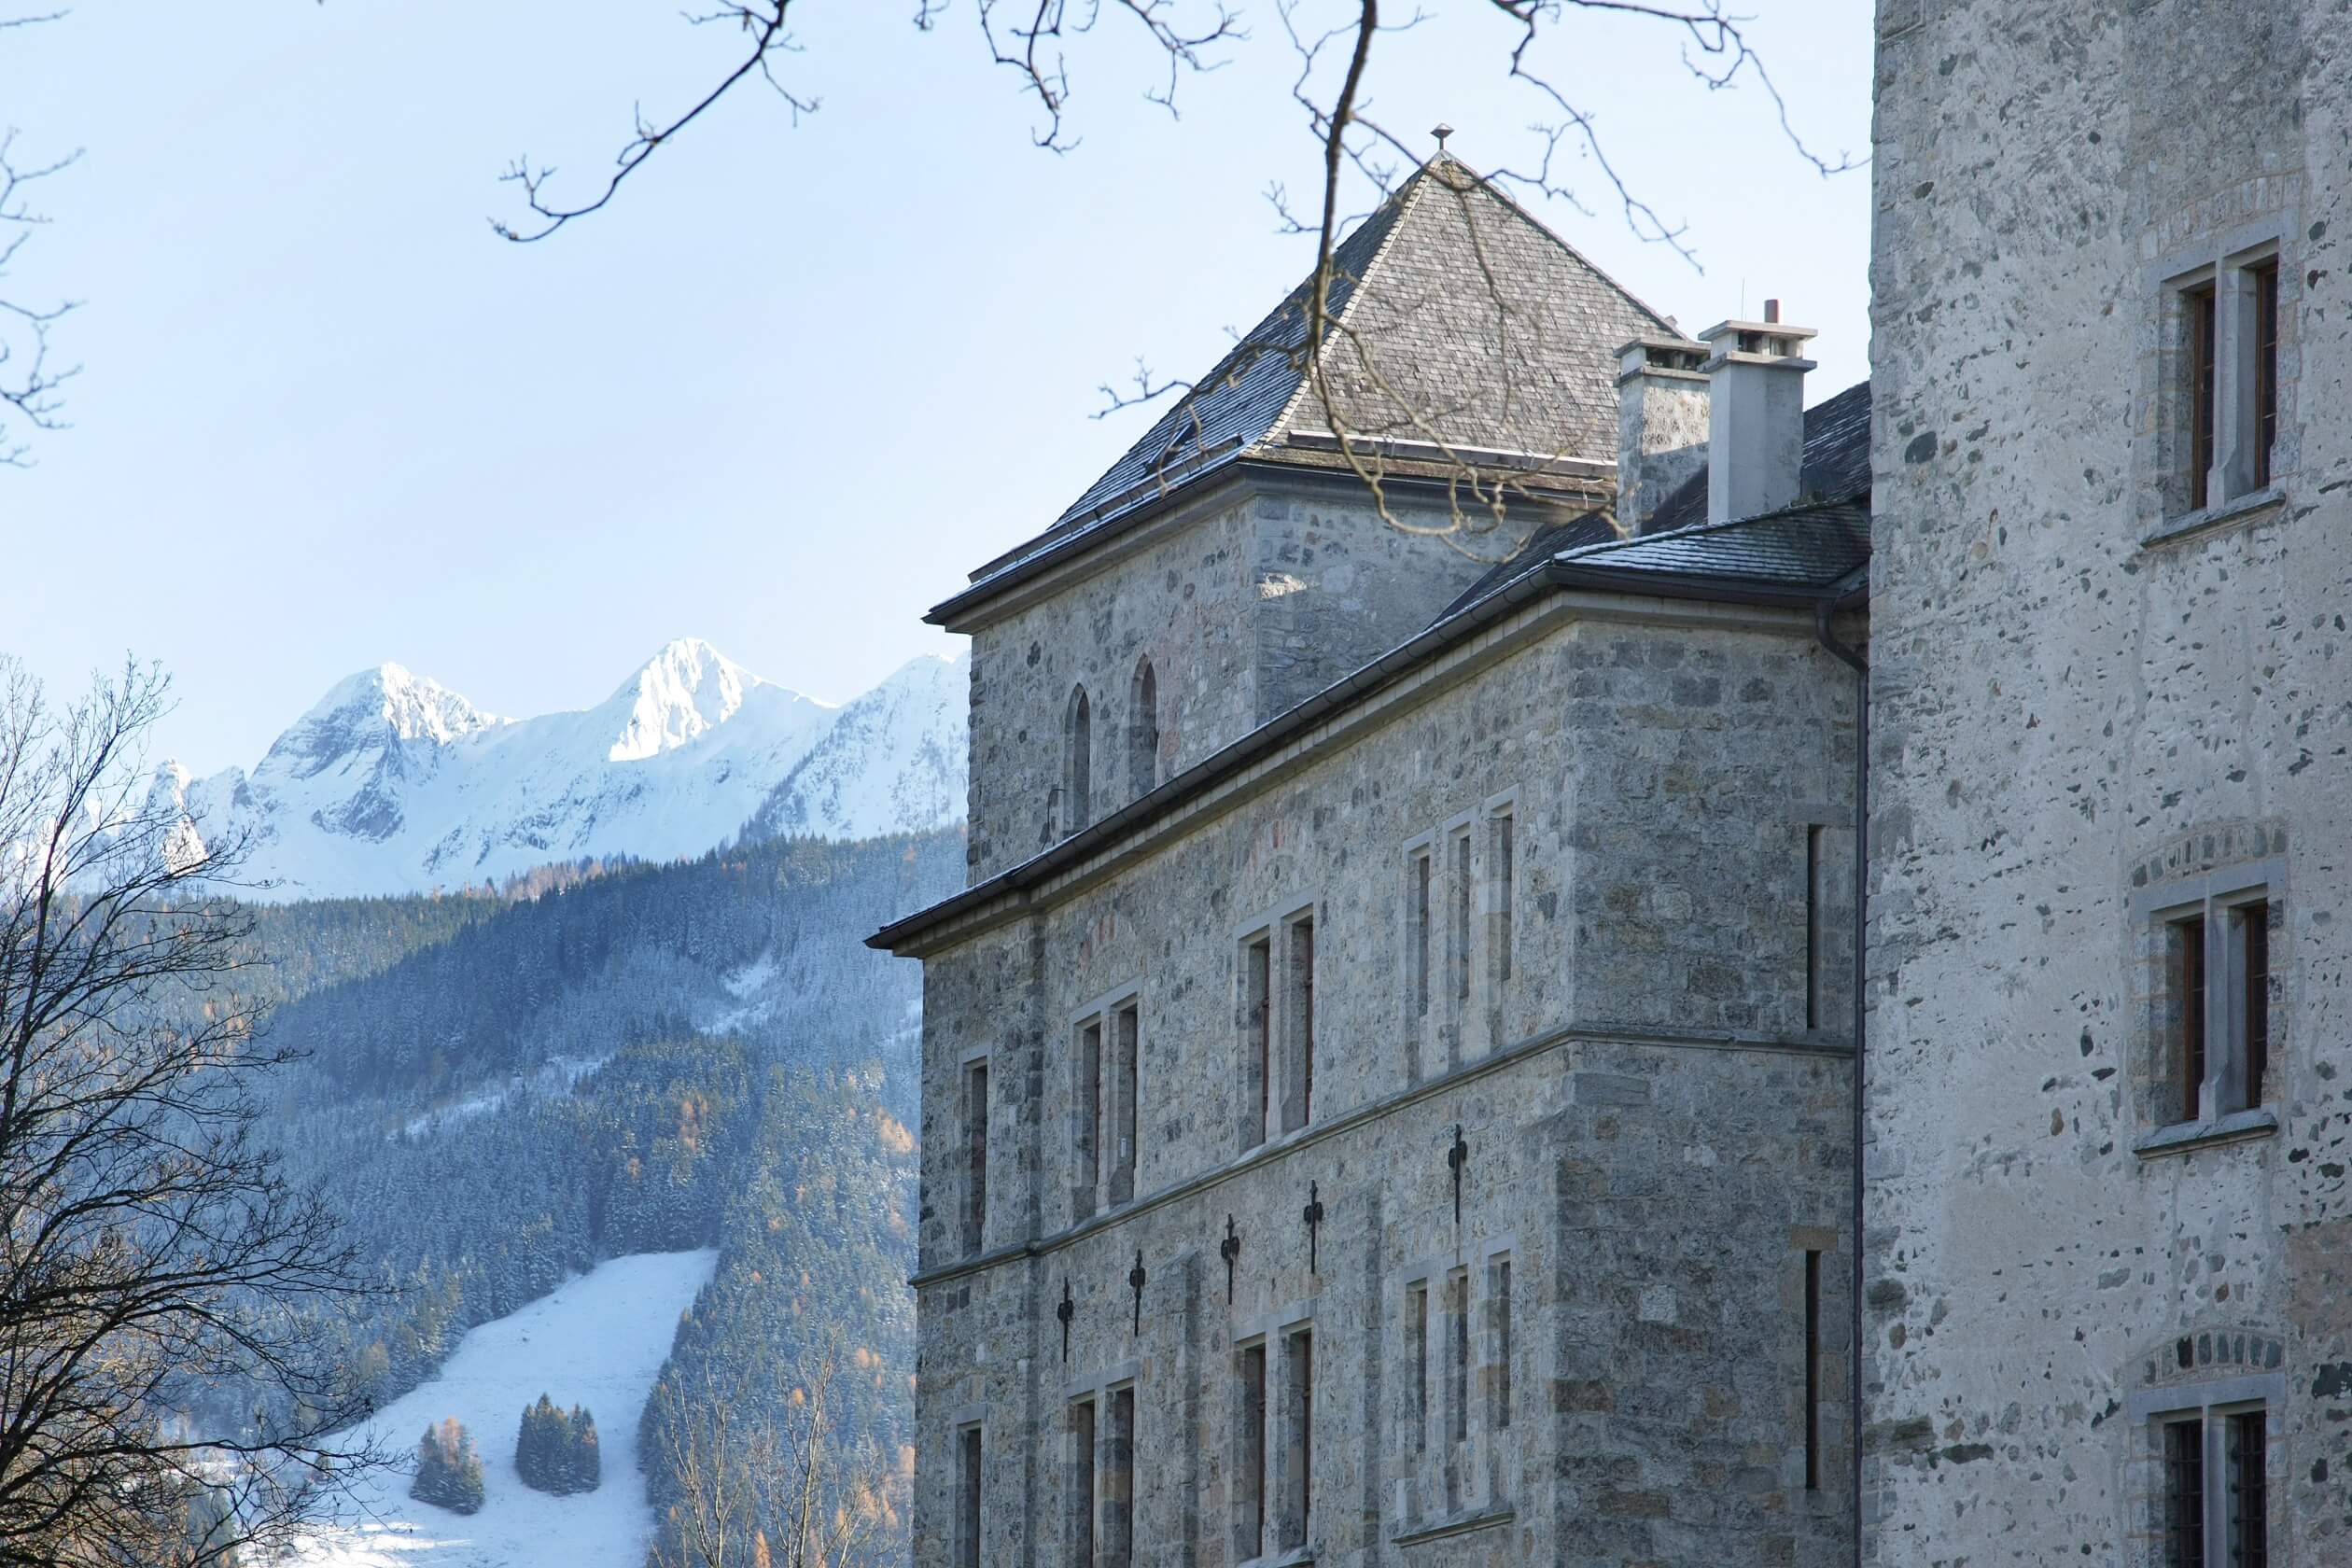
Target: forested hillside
(649,1059)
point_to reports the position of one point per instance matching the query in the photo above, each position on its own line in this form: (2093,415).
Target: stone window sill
(2259,1121)
(1290,1557)
(1453,1524)
(2244,509)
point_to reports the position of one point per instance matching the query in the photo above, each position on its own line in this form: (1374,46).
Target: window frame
(2204,1013)
(976,1145)
(1109,1095)
(2225,376)
(1280,1036)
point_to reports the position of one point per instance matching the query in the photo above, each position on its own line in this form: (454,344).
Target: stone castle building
(2109,1309)
(1387,1090)
(1390,1085)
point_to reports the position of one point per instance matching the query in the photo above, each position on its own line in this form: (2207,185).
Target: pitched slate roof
(1837,460)
(1457,317)
(1807,548)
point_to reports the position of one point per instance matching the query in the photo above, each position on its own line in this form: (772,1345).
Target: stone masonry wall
(1653,1138)
(1270,590)
(2095,709)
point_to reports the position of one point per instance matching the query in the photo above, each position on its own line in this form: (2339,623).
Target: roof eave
(1556,575)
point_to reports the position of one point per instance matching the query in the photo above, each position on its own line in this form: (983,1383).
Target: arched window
(1143,730)
(1078,766)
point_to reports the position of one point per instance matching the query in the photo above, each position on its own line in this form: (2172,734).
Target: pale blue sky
(783,394)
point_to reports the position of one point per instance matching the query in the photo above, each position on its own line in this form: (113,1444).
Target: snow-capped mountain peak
(393,783)
(682,693)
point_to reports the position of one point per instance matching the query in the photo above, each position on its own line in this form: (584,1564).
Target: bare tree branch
(152,1256)
(28,379)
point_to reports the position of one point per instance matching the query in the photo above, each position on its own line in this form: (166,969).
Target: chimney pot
(1772,313)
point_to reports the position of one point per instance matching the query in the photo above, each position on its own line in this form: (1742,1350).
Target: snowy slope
(597,1341)
(392,783)
(893,760)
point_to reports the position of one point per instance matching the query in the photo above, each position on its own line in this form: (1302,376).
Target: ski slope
(597,1341)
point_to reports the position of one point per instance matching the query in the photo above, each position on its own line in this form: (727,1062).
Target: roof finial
(1441,132)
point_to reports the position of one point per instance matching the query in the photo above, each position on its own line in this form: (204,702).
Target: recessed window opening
(1126,1085)
(2265,280)
(1143,735)
(1499,1305)
(2200,322)
(1118,1483)
(2184,1494)
(2188,969)
(1082,1481)
(968,1499)
(1461,930)
(1458,1363)
(1248,1470)
(1298,1098)
(1813,1370)
(975,1110)
(1417,1337)
(1505,890)
(1812,927)
(1298,1439)
(2250,924)
(1257,1031)
(2246,1438)
(1090,1134)
(1078,767)
(1419,889)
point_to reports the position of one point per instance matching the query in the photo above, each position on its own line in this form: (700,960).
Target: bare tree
(30,379)
(1370,406)
(761,1478)
(154,1264)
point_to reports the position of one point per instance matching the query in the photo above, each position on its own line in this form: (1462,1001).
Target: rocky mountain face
(392,783)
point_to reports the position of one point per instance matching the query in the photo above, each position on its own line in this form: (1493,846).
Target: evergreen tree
(448,1470)
(587,1462)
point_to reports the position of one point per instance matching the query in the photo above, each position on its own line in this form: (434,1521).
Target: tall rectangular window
(2189,995)
(1460,931)
(2264,277)
(1298,1098)
(1458,1363)
(1505,890)
(1812,927)
(1257,1025)
(975,1112)
(1417,1337)
(2184,1494)
(968,1499)
(1421,917)
(1249,1469)
(2251,925)
(1499,1309)
(1089,1164)
(1298,1439)
(2247,1437)
(2199,324)
(1082,1481)
(1118,1483)
(1126,1082)
(1813,1370)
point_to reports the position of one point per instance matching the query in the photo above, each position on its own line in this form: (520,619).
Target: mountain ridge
(392,783)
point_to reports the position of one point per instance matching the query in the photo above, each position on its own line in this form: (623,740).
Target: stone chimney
(1755,415)
(1662,424)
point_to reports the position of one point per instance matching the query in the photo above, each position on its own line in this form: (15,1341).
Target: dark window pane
(2184,1494)
(2250,1494)
(2265,367)
(2253,926)
(2198,323)
(2189,996)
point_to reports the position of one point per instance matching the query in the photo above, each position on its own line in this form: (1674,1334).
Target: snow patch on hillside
(599,1340)
(557,1075)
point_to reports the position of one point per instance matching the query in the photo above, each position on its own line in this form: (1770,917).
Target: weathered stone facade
(1410,1123)
(2109,728)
